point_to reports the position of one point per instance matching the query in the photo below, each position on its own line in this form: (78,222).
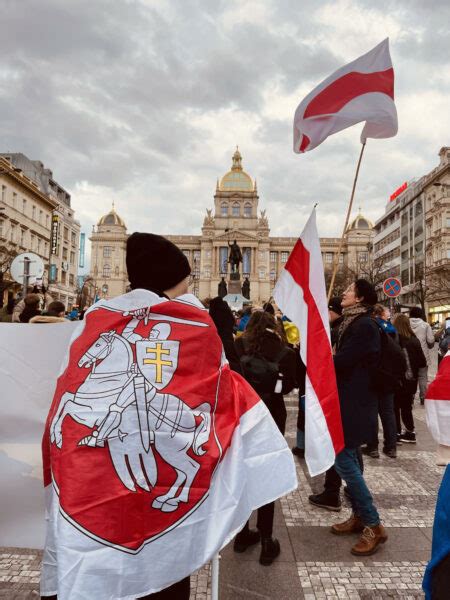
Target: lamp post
(104,290)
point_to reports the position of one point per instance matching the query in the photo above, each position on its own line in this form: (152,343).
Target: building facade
(60,256)
(412,240)
(235,216)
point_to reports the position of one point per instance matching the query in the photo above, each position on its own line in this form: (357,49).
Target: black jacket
(221,314)
(416,356)
(357,353)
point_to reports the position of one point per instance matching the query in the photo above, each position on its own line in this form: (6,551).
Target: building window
(63,277)
(24,206)
(106,251)
(22,238)
(236,211)
(72,258)
(273,275)
(1,228)
(262,273)
(246,260)
(363,257)
(224,210)
(47,221)
(41,217)
(45,249)
(187,254)
(73,239)
(33,213)
(247,210)
(39,243)
(448,253)
(3,193)
(223,259)
(106,271)
(341,259)
(12,233)
(284,256)
(64,254)
(328,257)
(71,279)
(14,200)
(273,257)
(32,242)
(116,271)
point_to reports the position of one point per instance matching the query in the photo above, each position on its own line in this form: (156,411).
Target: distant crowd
(37,306)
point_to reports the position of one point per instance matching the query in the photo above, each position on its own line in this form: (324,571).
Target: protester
(176,521)
(442,336)
(269,366)
(386,386)
(245,318)
(223,318)
(330,498)
(7,311)
(54,314)
(436,583)
(404,396)
(425,335)
(44,300)
(31,308)
(357,352)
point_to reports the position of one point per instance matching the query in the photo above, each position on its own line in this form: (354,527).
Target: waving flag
(300,294)
(363,90)
(155,453)
(437,404)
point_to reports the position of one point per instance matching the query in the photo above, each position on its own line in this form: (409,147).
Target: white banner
(30,359)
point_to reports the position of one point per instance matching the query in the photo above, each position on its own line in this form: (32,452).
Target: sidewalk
(314,564)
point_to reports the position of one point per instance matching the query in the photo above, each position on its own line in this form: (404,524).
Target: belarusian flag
(155,453)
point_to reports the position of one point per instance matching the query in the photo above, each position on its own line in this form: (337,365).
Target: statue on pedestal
(246,288)
(235,257)
(222,290)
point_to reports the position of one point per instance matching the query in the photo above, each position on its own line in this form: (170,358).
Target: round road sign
(392,287)
(35,267)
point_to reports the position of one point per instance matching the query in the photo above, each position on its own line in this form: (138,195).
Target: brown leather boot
(369,541)
(352,525)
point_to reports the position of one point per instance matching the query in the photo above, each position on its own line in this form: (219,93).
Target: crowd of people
(37,306)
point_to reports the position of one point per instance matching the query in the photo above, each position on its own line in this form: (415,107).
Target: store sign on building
(55,229)
(398,191)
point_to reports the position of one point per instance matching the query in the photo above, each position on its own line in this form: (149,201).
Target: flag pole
(215,577)
(341,242)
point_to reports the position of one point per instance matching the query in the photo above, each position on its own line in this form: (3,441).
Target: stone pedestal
(234,283)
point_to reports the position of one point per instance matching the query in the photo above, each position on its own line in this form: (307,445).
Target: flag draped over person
(300,294)
(155,452)
(363,90)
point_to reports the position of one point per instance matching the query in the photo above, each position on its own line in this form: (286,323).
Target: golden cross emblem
(158,360)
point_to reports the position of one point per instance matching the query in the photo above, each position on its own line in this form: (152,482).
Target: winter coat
(223,318)
(334,331)
(424,334)
(47,319)
(416,356)
(357,353)
(5,317)
(287,368)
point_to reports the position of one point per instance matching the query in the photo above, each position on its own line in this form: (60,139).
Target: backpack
(261,373)
(390,372)
(444,342)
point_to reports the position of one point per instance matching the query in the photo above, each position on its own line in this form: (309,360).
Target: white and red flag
(155,453)
(437,404)
(363,90)
(300,294)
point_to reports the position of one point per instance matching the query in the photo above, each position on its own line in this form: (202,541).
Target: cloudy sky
(143,102)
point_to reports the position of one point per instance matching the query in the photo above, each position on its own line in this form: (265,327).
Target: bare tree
(344,277)
(7,254)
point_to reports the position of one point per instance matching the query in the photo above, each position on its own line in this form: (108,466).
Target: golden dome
(112,218)
(236,180)
(361,222)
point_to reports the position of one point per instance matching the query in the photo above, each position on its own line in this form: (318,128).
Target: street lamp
(104,289)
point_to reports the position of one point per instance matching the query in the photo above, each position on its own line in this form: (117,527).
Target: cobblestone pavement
(313,563)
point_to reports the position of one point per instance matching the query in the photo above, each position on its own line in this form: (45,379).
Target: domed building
(108,268)
(235,216)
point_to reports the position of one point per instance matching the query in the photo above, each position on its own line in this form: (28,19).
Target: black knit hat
(335,305)
(154,263)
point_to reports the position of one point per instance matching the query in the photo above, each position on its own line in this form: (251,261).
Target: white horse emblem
(120,398)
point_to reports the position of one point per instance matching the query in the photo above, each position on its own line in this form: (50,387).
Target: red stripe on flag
(304,143)
(319,367)
(336,95)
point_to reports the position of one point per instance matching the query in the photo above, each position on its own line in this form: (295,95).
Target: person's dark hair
(10,306)
(364,289)
(32,300)
(378,310)
(260,325)
(55,308)
(416,313)
(268,307)
(403,326)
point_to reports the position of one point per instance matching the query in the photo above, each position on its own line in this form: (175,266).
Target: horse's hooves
(169,506)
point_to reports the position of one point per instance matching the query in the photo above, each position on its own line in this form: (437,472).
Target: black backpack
(389,374)
(261,373)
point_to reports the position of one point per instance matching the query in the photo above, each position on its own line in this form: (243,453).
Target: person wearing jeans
(389,424)
(357,353)
(425,335)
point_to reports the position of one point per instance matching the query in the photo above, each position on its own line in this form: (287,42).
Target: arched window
(224,210)
(247,210)
(235,210)
(419,208)
(106,271)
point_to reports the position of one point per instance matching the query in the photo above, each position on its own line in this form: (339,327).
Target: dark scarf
(349,315)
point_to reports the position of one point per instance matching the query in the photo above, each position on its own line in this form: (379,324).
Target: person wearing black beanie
(154,263)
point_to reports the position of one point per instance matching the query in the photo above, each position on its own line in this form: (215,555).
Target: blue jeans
(347,466)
